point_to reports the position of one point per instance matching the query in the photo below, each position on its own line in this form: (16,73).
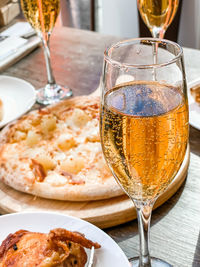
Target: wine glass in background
(144,124)
(157,15)
(42,15)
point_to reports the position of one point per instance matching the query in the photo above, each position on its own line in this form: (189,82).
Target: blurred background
(120,18)
(117,17)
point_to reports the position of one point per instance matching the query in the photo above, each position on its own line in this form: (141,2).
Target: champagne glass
(42,15)
(157,14)
(144,124)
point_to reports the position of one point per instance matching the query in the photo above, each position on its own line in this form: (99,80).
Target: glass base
(134,262)
(52,93)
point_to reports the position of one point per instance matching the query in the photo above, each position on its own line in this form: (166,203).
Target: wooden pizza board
(103,213)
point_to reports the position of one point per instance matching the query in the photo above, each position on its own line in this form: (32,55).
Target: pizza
(55,153)
(58,248)
(195,92)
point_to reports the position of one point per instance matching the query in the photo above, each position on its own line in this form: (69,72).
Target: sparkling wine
(144,132)
(157,13)
(41,14)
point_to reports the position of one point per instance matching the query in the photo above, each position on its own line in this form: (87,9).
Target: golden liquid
(144,132)
(41,14)
(157,13)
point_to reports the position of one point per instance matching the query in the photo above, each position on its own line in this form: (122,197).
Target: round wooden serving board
(103,213)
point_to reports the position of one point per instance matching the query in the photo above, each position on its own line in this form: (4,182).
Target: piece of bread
(1,110)
(195,92)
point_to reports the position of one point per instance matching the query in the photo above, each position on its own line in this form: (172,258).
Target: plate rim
(86,223)
(31,89)
(189,85)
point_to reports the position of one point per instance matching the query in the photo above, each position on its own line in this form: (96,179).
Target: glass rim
(141,66)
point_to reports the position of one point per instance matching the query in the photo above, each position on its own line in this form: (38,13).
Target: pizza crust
(55,153)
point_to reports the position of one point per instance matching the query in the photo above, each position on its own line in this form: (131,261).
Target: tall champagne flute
(157,14)
(42,15)
(144,124)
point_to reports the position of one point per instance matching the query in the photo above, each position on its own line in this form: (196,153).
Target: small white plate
(17,95)
(110,254)
(194,108)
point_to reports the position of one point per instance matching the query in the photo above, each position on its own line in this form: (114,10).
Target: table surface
(77,58)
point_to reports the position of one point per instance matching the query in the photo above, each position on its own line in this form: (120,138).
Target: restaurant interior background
(120,18)
(115,17)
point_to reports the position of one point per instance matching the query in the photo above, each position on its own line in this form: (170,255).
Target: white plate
(18,97)
(110,254)
(194,108)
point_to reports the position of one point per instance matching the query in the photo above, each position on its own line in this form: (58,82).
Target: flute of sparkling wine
(144,125)
(138,149)
(157,15)
(42,15)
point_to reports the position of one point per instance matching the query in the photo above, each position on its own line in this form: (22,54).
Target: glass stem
(144,218)
(157,32)
(45,43)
